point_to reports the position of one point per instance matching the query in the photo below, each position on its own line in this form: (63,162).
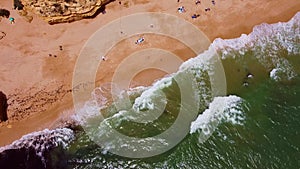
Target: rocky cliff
(3,107)
(60,11)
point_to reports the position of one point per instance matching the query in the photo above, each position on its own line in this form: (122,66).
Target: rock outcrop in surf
(42,149)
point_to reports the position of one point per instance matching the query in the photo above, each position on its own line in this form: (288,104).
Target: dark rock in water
(18,5)
(3,107)
(39,150)
(20,159)
(4,13)
(26,158)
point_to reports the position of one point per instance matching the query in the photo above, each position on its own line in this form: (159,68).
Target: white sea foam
(283,71)
(149,97)
(110,140)
(43,140)
(199,62)
(99,100)
(195,66)
(138,89)
(273,74)
(285,34)
(88,111)
(267,42)
(221,109)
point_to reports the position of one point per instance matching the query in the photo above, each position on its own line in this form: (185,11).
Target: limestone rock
(4,13)
(25,15)
(59,11)
(18,5)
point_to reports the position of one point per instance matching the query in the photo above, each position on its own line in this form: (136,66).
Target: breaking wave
(221,109)
(270,44)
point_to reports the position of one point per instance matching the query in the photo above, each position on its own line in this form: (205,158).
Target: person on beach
(213,2)
(103,58)
(2,35)
(197,2)
(181,9)
(12,20)
(195,16)
(207,9)
(140,40)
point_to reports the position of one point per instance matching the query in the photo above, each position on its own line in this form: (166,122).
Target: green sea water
(261,130)
(269,138)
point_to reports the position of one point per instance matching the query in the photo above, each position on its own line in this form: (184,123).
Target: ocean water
(255,124)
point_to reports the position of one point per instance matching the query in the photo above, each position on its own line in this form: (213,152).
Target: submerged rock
(60,11)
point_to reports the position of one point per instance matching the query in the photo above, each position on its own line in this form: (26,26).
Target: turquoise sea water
(255,125)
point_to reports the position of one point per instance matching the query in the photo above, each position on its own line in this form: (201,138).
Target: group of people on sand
(198,2)
(181,9)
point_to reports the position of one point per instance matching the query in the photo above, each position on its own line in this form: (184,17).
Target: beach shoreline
(27,64)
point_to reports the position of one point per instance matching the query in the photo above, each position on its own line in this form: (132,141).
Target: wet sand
(36,74)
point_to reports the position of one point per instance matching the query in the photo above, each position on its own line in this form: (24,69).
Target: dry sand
(36,75)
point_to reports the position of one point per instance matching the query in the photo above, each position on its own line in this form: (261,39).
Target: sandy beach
(38,59)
